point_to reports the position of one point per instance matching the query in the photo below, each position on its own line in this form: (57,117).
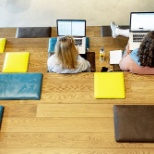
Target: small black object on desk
(104,69)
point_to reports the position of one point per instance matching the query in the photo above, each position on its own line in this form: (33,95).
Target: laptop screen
(76,28)
(141,21)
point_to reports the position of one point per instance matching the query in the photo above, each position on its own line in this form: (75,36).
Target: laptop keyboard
(78,42)
(138,37)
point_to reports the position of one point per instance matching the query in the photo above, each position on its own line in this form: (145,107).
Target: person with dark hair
(66,58)
(140,60)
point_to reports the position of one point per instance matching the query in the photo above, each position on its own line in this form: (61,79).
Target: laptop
(75,28)
(140,24)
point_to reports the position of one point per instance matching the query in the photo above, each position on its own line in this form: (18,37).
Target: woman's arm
(127,64)
(125,61)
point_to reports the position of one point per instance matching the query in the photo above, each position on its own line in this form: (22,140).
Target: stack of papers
(115,56)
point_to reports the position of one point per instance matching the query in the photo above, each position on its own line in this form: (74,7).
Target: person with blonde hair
(66,58)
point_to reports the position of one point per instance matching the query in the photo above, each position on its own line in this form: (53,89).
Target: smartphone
(104,69)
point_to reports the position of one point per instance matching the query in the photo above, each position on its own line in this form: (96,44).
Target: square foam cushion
(109,85)
(2,44)
(134,123)
(51,44)
(33,32)
(16,62)
(20,86)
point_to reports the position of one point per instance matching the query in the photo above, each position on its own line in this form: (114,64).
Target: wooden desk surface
(67,118)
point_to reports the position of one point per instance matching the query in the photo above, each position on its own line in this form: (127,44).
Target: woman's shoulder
(135,51)
(134,56)
(81,58)
(52,57)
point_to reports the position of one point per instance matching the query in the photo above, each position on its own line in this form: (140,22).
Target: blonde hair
(67,52)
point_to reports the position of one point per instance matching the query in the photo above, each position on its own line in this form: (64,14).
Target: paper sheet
(115,56)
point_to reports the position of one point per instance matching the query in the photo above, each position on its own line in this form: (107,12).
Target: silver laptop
(75,28)
(140,24)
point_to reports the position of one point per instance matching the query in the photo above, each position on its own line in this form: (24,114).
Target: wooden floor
(68,119)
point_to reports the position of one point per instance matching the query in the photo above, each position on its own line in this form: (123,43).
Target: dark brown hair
(146,50)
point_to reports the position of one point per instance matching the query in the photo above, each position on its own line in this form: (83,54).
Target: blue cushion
(87,42)
(20,86)
(1,114)
(52,43)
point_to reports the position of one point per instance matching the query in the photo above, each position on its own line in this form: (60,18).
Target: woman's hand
(127,49)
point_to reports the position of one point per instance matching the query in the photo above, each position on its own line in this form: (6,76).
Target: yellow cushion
(16,62)
(2,44)
(109,85)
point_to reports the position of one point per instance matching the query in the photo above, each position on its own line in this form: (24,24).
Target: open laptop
(75,28)
(140,24)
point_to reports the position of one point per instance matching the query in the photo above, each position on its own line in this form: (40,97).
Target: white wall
(15,13)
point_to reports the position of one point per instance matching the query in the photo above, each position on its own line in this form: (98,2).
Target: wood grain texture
(76,151)
(74,110)
(57,125)
(80,140)
(68,119)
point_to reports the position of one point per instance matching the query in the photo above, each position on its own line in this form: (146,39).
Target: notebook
(140,24)
(75,28)
(109,85)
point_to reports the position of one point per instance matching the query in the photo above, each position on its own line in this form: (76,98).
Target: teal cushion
(1,114)
(87,42)
(20,86)
(52,43)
